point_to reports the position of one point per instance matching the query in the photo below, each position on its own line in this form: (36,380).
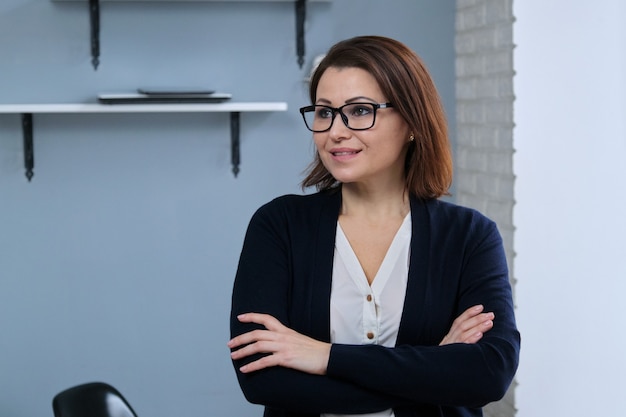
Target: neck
(374,203)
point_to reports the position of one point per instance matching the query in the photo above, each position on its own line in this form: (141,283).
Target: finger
(476,333)
(481,323)
(474,321)
(262,363)
(474,338)
(470,312)
(249,337)
(469,326)
(266,320)
(466,315)
(254,348)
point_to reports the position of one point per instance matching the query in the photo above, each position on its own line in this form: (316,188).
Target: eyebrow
(350,100)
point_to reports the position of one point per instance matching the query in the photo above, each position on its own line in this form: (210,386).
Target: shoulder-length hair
(405,81)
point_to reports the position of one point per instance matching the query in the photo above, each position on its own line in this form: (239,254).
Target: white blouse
(364,314)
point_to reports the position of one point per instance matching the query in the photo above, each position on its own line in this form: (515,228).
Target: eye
(360,110)
(323,113)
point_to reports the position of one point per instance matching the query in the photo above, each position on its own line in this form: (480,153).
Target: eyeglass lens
(354,115)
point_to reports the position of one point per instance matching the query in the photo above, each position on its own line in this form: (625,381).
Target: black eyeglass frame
(344,118)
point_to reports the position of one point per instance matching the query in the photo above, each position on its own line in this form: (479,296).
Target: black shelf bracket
(300,20)
(29,152)
(234,142)
(94,18)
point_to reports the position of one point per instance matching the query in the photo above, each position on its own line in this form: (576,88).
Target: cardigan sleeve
(263,284)
(468,375)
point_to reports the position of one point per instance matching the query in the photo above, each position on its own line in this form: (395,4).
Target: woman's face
(375,155)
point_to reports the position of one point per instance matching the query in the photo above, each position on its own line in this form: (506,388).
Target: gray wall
(117,260)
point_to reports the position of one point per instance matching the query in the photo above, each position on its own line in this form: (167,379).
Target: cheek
(319,141)
(395,148)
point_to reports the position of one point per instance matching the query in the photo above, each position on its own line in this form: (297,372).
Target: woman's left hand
(286,347)
(470,326)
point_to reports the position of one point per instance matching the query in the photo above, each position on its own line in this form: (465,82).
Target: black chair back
(94,399)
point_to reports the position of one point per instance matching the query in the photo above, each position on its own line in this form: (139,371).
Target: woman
(372,296)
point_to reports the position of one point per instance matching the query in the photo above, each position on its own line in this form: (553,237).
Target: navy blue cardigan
(456,261)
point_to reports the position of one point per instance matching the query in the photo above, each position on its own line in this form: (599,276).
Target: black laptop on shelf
(164,96)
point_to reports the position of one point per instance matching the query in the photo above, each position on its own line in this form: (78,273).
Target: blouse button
(370,335)
(369,297)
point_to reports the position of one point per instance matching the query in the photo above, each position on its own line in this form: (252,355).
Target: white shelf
(144,108)
(190,1)
(234,108)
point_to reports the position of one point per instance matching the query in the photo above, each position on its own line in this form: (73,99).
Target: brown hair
(405,81)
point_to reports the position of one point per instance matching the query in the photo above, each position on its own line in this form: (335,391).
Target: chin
(344,177)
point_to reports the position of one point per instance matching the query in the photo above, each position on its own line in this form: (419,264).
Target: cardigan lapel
(415,301)
(322,268)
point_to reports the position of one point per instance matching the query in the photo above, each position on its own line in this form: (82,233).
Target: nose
(339,128)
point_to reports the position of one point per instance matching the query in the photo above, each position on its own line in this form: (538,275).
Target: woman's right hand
(469,327)
(286,347)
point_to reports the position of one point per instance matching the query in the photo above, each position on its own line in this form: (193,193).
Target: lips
(344,152)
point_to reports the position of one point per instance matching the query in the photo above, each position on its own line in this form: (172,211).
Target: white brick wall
(484,123)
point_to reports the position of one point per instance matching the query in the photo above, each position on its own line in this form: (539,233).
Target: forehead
(343,84)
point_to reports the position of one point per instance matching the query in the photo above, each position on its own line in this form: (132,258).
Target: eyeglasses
(356,116)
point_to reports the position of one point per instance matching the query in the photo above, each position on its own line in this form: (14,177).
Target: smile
(343,153)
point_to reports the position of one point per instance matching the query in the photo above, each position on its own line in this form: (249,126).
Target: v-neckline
(401,237)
